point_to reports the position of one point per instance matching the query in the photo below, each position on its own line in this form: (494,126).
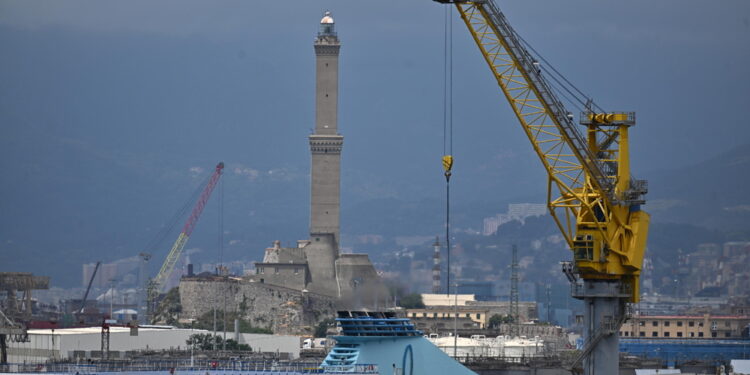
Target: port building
(76,344)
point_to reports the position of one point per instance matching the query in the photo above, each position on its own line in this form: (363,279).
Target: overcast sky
(172,86)
(682,65)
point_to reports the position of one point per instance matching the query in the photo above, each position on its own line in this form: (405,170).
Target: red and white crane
(158,283)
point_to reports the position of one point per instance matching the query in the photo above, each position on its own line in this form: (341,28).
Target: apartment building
(685,327)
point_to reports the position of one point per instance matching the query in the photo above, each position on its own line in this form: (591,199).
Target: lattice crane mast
(157,284)
(592,196)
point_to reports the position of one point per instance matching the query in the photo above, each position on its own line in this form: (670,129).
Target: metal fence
(173,367)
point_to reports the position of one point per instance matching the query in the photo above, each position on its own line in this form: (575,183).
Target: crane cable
(447,158)
(156,242)
(221,225)
(553,73)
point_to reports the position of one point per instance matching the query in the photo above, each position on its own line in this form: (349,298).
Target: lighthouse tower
(326,142)
(316,265)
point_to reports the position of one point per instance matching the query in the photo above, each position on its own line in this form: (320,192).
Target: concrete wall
(45,344)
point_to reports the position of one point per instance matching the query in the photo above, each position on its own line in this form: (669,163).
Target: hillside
(711,193)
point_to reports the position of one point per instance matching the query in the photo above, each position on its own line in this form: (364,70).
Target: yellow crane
(592,196)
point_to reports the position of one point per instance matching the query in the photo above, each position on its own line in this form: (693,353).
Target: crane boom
(591,195)
(88,288)
(174,254)
(592,198)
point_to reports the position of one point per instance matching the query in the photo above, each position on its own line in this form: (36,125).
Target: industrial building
(86,343)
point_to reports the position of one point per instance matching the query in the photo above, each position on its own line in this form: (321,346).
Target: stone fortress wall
(283,310)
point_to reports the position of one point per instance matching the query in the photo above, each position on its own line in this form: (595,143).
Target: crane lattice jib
(531,96)
(187,230)
(591,195)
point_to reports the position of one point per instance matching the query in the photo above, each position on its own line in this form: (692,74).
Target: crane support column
(604,311)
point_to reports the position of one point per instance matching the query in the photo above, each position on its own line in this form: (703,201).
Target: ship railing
(360,368)
(178,366)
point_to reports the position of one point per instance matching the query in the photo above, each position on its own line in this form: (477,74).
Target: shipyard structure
(295,287)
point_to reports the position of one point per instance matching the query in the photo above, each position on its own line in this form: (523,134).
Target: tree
(412,301)
(203,341)
(496,320)
(321,330)
(206,341)
(206,321)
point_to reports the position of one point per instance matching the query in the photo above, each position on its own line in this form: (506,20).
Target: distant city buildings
(686,326)
(441,310)
(119,270)
(712,270)
(516,212)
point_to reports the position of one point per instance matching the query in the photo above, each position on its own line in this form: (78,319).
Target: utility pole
(514,293)
(436,282)
(455,319)
(224,326)
(549,303)
(111,296)
(213,339)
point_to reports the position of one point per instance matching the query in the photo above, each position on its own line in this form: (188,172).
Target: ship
(387,345)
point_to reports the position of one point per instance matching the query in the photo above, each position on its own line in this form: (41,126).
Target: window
(679,334)
(296,271)
(479,316)
(700,324)
(666,324)
(726,334)
(655,323)
(641,334)
(700,334)
(679,324)
(654,334)
(468,315)
(692,334)
(413,315)
(691,324)
(276,270)
(666,334)
(261,270)
(713,334)
(434,315)
(424,314)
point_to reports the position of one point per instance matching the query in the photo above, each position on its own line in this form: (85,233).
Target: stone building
(316,264)
(294,288)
